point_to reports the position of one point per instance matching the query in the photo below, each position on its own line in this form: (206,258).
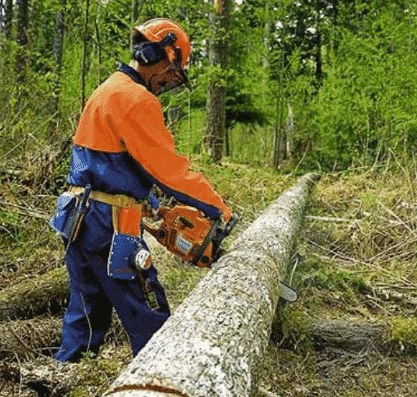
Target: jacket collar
(132,73)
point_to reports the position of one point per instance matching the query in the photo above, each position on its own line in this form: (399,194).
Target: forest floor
(354,263)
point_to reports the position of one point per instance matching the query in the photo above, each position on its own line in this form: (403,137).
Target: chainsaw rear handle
(221,234)
(209,238)
(234,219)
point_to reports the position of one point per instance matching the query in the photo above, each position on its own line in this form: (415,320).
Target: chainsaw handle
(233,221)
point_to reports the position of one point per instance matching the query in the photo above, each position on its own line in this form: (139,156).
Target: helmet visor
(179,78)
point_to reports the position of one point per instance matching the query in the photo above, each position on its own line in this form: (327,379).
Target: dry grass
(356,259)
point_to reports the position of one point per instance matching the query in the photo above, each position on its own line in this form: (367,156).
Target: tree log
(45,375)
(357,336)
(214,341)
(46,293)
(30,338)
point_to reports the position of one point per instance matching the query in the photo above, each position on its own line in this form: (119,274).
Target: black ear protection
(148,54)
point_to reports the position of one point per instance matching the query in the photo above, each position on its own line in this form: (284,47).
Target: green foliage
(358,107)
(363,110)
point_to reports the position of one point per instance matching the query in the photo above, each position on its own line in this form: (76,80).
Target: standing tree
(22,39)
(216,98)
(58,46)
(8,18)
(136,8)
(85,53)
(7,24)
(1,16)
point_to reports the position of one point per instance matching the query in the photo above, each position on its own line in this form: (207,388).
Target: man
(121,149)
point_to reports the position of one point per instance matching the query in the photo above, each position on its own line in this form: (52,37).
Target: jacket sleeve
(146,138)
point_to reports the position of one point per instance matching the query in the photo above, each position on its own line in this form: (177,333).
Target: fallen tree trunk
(213,343)
(47,293)
(358,336)
(29,338)
(45,375)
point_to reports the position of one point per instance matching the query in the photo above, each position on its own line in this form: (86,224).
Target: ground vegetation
(311,86)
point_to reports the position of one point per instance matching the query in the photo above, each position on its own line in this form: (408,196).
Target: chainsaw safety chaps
(93,292)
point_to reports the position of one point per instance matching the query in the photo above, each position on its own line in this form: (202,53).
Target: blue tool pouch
(122,256)
(66,213)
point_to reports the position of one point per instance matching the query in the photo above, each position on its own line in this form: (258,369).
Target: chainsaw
(188,233)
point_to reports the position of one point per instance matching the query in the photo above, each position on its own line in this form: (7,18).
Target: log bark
(44,375)
(357,337)
(213,343)
(47,293)
(30,338)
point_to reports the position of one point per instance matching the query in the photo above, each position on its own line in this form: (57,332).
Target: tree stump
(213,343)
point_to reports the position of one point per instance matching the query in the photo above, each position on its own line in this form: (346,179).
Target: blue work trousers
(93,293)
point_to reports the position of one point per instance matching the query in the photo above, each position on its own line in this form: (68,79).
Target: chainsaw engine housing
(184,231)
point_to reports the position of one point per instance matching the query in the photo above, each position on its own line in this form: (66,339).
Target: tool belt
(126,211)
(129,257)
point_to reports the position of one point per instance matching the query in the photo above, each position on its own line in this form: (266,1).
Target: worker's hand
(227,214)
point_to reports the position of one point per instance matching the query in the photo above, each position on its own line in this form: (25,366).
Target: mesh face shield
(172,77)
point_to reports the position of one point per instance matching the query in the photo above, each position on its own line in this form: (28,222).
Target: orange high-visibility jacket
(122,146)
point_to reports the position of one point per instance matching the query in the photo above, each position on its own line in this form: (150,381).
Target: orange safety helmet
(169,37)
(157,29)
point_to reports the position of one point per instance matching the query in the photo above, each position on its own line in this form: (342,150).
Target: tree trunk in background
(228,138)
(8,18)
(278,134)
(216,98)
(213,343)
(85,51)
(2,12)
(59,35)
(58,46)
(318,56)
(22,40)
(288,132)
(136,7)
(22,22)
(335,42)
(282,135)
(8,79)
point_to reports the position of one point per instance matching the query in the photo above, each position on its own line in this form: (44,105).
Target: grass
(355,259)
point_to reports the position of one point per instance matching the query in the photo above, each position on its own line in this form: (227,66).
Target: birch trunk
(214,341)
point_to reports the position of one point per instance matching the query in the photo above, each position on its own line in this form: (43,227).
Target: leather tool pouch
(127,248)
(66,216)
(129,257)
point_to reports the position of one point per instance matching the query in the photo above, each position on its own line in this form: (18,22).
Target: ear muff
(148,53)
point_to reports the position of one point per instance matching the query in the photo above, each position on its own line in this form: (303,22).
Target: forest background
(280,88)
(323,84)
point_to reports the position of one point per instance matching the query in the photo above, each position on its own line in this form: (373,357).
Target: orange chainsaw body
(183,231)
